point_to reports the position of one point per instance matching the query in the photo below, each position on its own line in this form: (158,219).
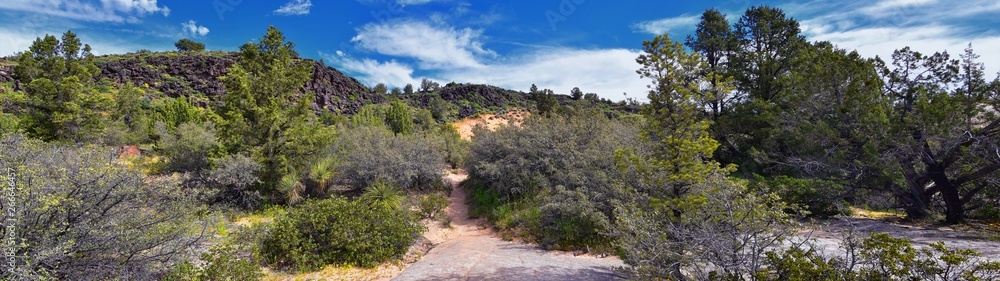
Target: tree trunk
(955,212)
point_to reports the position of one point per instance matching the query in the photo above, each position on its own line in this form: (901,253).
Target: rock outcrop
(187,74)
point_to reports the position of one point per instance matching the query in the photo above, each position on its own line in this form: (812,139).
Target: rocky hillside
(176,74)
(473,98)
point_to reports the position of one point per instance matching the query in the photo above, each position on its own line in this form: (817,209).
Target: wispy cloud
(89,10)
(879,28)
(295,8)
(434,46)
(677,24)
(415,2)
(191,28)
(371,72)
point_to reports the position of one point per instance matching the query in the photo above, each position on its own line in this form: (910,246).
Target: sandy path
(469,251)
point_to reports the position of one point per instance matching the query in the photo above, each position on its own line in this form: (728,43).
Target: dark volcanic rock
(186,74)
(336,91)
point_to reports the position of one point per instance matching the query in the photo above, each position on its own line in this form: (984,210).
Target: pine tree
(261,105)
(60,103)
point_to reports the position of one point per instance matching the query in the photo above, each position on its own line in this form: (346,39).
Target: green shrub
(514,172)
(338,231)
(83,217)
(569,218)
(483,200)
(818,196)
(221,264)
(368,154)
(235,177)
(431,205)
(188,147)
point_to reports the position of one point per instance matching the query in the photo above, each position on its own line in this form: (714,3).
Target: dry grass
(876,215)
(333,272)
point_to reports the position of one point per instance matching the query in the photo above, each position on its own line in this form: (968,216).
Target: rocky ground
(828,234)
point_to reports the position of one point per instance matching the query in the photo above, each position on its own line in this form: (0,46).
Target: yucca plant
(323,172)
(383,194)
(292,187)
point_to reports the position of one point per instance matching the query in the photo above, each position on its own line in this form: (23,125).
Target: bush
(188,45)
(188,147)
(514,172)
(569,218)
(83,217)
(338,231)
(367,154)
(431,205)
(818,196)
(221,264)
(235,176)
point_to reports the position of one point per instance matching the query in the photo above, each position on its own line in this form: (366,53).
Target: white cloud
(14,40)
(413,2)
(927,26)
(192,28)
(888,7)
(295,8)
(607,72)
(104,11)
(372,72)
(668,25)
(435,47)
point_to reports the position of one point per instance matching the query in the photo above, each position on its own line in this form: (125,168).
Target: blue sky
(557,44)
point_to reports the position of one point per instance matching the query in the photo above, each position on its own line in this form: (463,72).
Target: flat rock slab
(490,258)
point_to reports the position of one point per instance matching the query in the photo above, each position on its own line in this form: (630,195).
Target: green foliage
(569,218)
(432,205)
(408,89)
(59,103)
(81,216)
(221,263)
(235,176)
(684,215)
(261,107)
(369,154)
(398,118)
(440,108)
(383,195)
(546,102)
(371,115)
(682,143)
(381,89)
(456,149)
(337,231)
(482,200)
(130,114)
(188,45)
(820,198)
(576,93)
(9,124)
(176,111)
(717,225)
(519,168)
(188,147)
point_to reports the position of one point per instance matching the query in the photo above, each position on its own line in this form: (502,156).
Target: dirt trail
(469,251)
